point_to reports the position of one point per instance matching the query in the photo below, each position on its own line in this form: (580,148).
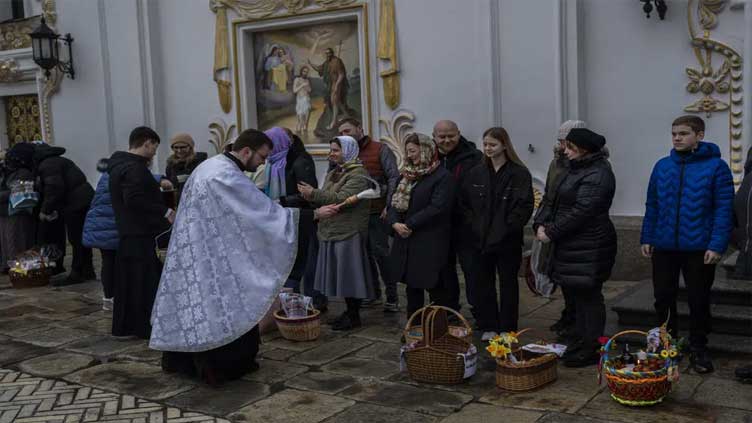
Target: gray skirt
(343,269)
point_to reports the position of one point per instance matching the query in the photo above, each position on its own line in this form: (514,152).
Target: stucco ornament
(221,133)
(396,130)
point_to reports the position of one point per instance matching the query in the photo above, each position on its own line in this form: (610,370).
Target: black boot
(585,356)
(700,361)
(351,317)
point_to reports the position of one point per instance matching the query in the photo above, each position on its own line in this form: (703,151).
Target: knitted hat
(182,138)
(586,139)
(568,126)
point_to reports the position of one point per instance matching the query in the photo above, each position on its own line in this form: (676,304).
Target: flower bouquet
(523,368)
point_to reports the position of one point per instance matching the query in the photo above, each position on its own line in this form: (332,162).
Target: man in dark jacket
(458,156)
(65,199)
(686,229)
(140,215)
(381,164)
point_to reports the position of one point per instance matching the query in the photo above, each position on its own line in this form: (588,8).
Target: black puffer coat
(578,224)
(418,259)
(62,185)
(176,169)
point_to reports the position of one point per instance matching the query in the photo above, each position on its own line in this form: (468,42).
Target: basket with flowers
(522,368)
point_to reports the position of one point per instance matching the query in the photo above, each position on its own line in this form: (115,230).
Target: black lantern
(46,51)
(660,5)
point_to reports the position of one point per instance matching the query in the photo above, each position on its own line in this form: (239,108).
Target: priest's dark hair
(252,138)
(140,135)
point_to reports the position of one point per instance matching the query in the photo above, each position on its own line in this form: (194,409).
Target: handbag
(23,198)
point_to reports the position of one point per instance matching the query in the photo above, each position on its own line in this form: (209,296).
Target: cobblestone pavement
(59,364)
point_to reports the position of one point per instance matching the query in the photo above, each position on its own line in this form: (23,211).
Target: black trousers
(590,314)
(699,277)
(53,233)
(491,315)
(378,251)
(107,273)
(136,284)
(569,314)
(416,298)
(82,259)
(450,281)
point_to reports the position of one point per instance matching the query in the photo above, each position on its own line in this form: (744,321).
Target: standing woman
(183,160)
(577,222)
(342,267)
(496,200)
(420,216)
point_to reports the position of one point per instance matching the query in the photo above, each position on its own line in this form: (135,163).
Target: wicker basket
(299,328)
(33,278)
(530,372)
(414,332)
(436,360)
(161,252)
(635,388)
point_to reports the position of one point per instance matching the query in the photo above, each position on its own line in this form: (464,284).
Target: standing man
(381,164)
(65,199)
(140,215)
(231,251)
(458,156)
(686,229)
(335,77)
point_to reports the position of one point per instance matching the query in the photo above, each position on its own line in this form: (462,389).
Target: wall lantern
(660,6)
(46,51)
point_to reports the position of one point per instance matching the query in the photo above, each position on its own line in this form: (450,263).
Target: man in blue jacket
(686,229)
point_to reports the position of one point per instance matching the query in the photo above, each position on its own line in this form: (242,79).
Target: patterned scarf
(350,160)
(412,172)
(275,168)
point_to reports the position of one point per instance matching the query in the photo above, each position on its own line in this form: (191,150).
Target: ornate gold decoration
(15,35)
(221,133)
(9,71)
(49,12)
(222,59)
(387,50)
(396,129)
(49,87)
(726,80)
(22,118)
(249,9)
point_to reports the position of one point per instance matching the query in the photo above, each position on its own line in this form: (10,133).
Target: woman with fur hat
(576,221)
(183,161)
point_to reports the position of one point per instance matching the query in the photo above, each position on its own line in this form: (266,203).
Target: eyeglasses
(179,147)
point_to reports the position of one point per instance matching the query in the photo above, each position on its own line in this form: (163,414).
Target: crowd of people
(255,219)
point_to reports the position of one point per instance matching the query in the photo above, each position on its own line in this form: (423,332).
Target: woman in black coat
(420,216)
(496,201)
(577,222)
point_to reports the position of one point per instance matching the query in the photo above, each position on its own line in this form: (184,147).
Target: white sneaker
(107,304)
(487,336)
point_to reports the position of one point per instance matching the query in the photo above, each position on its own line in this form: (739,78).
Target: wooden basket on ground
(635,388)
(414,332)
(32,279)
(532,370)
(299,329)
(437,357)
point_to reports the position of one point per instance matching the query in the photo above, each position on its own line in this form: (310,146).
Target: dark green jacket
(351,219)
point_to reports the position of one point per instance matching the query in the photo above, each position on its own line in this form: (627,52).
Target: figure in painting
(277,67)
(335,78)
(301,87)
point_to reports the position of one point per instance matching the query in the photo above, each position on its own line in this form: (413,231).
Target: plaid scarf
(412,172)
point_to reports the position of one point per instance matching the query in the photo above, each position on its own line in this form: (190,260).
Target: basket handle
(427,324)
(156,238)
(607,347)
(420,311)
(531,330)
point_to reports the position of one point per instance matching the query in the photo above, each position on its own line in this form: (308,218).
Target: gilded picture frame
(315,61)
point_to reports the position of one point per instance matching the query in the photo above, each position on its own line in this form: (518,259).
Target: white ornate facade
(523,64)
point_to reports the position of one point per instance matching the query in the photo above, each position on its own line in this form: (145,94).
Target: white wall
(526,65)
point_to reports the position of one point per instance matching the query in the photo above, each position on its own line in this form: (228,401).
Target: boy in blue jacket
(687,226)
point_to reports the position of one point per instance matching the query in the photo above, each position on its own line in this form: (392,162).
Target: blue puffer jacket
(99,228)
(690,202)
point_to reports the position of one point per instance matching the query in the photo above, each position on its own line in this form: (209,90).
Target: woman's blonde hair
(500,134)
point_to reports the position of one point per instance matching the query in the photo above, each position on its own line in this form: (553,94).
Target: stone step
(725,291)
(636,309)
(717,342)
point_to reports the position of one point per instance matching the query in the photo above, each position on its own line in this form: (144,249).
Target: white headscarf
(350,149)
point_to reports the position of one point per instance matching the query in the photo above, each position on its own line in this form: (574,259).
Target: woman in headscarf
(287,166)
(183,160)
(17,228)
(342,267)
(420,217)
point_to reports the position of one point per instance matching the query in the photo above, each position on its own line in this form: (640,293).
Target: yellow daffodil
(664,353)
(673,353)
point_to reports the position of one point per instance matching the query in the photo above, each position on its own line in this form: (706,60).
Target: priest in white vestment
(231,250)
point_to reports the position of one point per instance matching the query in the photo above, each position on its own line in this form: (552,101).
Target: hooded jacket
(136,198)
(100,230)
(61,184)
(690,202)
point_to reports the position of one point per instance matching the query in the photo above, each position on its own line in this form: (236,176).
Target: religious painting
(304,73)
